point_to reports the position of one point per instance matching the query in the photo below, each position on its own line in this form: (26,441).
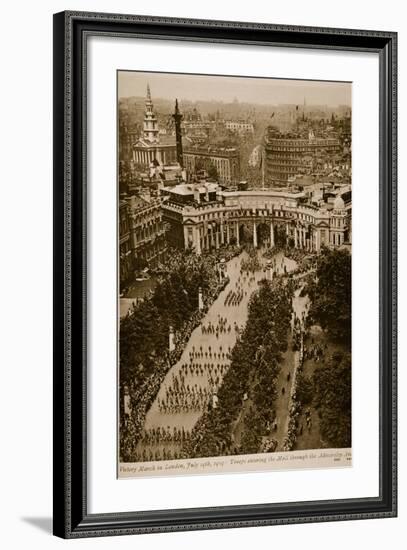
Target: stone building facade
(142,241)
(287,156)
(224,159)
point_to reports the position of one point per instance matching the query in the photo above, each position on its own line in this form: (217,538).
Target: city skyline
(254,90)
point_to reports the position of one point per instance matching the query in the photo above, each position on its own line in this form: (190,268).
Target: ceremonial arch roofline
(264,193)
(250,216)
(234,212)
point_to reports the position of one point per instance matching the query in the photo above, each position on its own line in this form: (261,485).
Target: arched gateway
(266,217)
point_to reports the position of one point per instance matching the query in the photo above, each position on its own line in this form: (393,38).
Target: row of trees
(331,294)
(253,371)
(329,389)
(332,383)
(144,332)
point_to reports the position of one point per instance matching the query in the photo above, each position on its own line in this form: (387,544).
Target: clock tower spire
(150,127)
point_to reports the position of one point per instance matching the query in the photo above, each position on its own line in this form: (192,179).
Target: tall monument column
(254,235)
(177,116)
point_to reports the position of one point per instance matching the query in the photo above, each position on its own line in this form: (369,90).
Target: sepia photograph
(224,337)
(234,257)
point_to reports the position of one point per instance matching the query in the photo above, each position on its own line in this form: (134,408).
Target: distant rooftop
(206,149)
(189,188)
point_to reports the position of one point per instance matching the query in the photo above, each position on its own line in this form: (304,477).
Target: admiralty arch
(261,217)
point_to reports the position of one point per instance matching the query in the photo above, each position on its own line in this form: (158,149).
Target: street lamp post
(171,339)
(222,269)
(269,267)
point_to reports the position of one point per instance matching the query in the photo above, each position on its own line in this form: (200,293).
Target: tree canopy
(144,333)
(333,399)
(331,295)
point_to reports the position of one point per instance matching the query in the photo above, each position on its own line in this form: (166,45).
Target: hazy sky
(227,88)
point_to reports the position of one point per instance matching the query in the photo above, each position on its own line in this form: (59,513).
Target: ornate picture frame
(71,33)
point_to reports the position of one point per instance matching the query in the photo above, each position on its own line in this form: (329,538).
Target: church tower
(150,127)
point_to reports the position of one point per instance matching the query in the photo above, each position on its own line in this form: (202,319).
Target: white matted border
(105,492)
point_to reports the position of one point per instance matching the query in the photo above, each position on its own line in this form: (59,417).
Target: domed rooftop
(339,203)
